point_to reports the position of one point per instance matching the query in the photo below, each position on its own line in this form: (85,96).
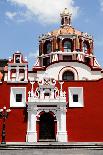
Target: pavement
(51,152)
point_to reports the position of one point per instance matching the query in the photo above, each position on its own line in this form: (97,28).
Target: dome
(65,29)
(65,44)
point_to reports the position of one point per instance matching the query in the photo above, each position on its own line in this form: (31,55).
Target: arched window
(62,21)
(68,75)
(67,46)
(85,47)
(17,59)
(48,48)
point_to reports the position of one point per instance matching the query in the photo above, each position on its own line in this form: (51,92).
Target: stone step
(50,145)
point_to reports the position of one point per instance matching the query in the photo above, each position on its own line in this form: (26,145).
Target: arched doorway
(47,127)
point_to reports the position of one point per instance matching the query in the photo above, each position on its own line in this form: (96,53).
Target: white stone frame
(68,68)
(55,103)
(17,68)
(34,112)
(13,92)
(17,54)
(79,92)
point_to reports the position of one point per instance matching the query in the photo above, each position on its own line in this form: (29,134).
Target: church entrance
(47,127)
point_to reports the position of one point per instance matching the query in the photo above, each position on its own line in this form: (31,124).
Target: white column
(41,94)
(61,89)
(58,125)
(17,74)
(63,121)
(32,89)
(61,126)
(31,131)
(52,94)
(9,69)
(26,74)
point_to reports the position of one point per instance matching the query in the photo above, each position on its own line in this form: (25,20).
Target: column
(31,130)
(54,49)
(61,48)
(17,73)
(9,70)
(77,44)
(61,126)
(42,47)
(58,125)
(26,74)
(52,42)
(56,46)
(41,94)
(91,47)
(81,46)
(32,88)
(74,44)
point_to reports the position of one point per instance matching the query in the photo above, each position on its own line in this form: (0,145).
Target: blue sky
(22,21)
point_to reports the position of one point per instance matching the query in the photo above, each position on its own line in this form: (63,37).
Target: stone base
(31,137)
(61,137)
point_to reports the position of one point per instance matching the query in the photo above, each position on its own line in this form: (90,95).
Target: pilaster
(9,72)
(31,132)
(17,74)
(26,74)
(61,126)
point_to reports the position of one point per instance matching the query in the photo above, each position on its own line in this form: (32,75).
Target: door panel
(47,126)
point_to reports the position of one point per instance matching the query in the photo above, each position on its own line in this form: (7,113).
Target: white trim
(68,68)
(34,112)
(79,92)
(17,82)
(17,54)
(13,92)
(81,71)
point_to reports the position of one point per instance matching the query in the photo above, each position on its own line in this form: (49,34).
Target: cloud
(33,54)
(46,11)
(101,4)
(19,16)
(11,15)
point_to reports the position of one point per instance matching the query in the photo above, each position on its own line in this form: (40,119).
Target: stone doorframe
(59,112)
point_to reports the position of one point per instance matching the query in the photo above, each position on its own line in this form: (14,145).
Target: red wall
(16,123)
(86,124)
(83,124)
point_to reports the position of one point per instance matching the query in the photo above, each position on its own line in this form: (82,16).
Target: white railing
(46,92)
(34,97)
(67,53)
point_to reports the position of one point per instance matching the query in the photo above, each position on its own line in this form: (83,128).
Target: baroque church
(61,98)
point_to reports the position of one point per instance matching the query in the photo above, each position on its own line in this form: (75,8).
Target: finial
(65,18)
(17,51)
(66,11)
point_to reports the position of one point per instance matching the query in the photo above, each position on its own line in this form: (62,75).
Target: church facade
(61,98)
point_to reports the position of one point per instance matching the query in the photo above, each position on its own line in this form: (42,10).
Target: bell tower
(65,18)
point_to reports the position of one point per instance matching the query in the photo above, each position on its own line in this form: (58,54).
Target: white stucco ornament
(47,98)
